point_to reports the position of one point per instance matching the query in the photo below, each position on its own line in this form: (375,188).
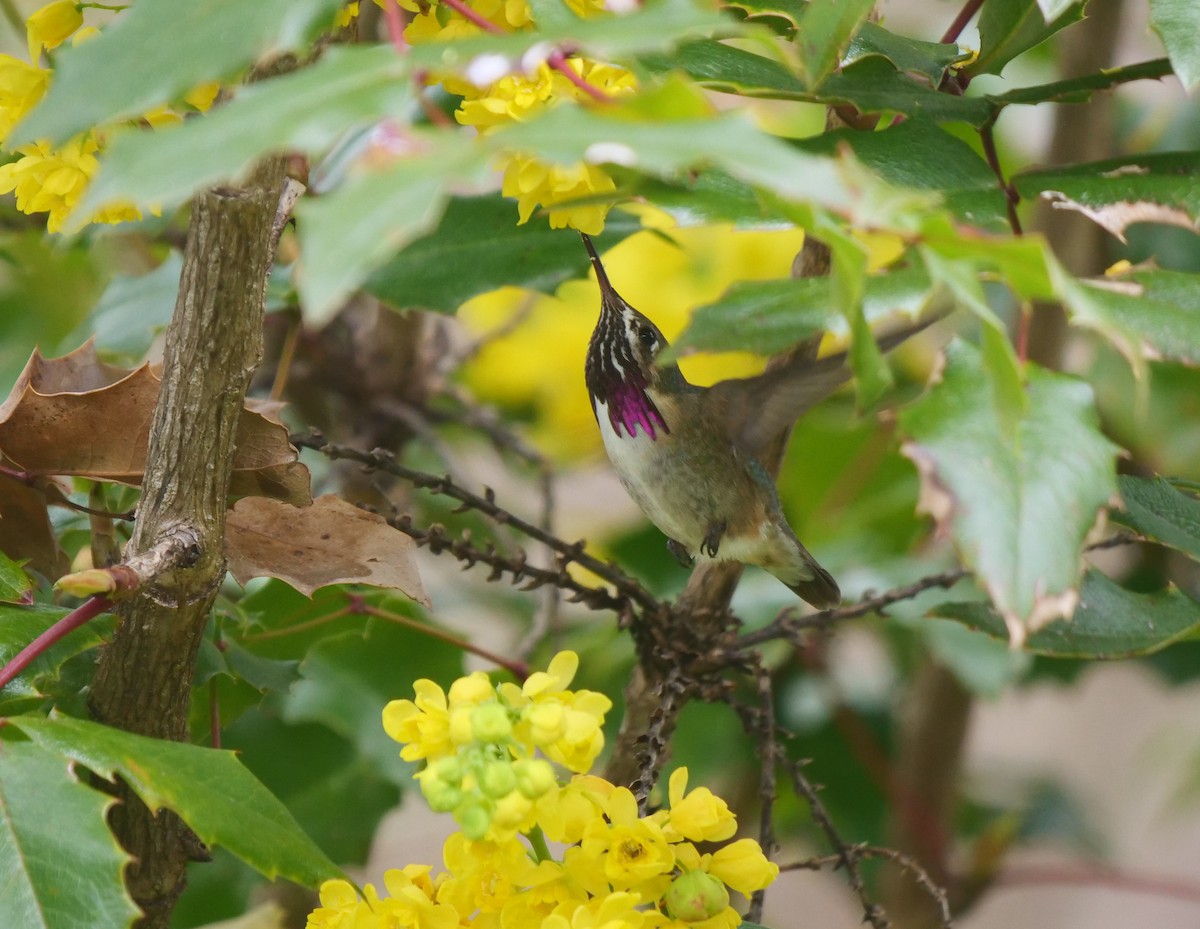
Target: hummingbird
(690,456)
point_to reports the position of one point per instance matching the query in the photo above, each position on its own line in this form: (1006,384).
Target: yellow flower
(21,87)
(423,726)
(743,866)
(49,180)
(346,15)
(484,875)
(546,887)
(50,26)
(535,183)
(626,853)
(410,903)
(610,911)
(341,908)
(201,96)
(700,816)
(564,814)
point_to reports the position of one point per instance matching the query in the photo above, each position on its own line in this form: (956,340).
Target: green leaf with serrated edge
(769,316)
(1009,27)
(1110,622)
(210,790)
(20,625)
(1116,192)
(348,233)
(825,32)
(478,247)
(708,197)
(347,681)
(871,85)
(158,50)
(995,494)
(61,865)
(1177,23)
(731,142)
(15,585)
(930,60)
(304,111)
(918,155)
(1159,310)
(1158,510)
(1080,89)
(132,311)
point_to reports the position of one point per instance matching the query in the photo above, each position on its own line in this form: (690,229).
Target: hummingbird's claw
(682,555)
(712,539)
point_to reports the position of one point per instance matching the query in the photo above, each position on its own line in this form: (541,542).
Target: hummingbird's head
(620,360)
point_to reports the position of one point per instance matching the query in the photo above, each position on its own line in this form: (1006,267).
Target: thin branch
(965,15)
(862,852)
(654,743)
(395,25)
(383,460)
(1100,877)
(767,751)
(872,912)
(81,615)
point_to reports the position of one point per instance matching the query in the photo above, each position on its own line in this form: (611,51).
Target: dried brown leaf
(76,415)
(329,542)
(1117,217)
(25,530)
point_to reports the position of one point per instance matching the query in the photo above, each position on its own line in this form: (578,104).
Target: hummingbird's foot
(682,555)
(712,539)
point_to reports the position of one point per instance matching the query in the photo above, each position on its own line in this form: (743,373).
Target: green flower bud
(490,723)
(448,770)
(442,797)
(695,896)
(498,779)
(474,817)
(535,777)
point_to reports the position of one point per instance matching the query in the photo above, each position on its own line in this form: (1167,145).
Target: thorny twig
(654,743)
(628,590)
(872,912)
(861,852)
(766,777)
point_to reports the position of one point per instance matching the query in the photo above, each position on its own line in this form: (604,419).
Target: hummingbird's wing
(757,409)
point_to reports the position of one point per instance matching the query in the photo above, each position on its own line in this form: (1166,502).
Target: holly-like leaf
(15,585)
(872,84)
(304,111)
(76,415)
(918,155)
(347,234)
(329,542)
(26,534)
(158,50)
(1147,313)
(1160,511)
(1110,622)
(210,790)
(478,247)
(1177,23)
(824,34)
(1009,27)
(1117,192)
(769,316)
(61,864)
(1080,89)
(20,625)
(997,491)
(929,60)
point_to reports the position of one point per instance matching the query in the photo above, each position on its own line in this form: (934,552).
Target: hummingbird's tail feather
(822,591)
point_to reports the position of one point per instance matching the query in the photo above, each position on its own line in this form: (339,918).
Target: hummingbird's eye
(647,337)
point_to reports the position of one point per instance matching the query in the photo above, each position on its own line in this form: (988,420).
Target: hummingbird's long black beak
(606,288)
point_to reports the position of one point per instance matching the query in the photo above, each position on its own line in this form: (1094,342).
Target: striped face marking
(622,349)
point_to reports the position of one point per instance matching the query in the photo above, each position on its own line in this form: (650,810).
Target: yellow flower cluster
(480,743)
(51,180)
(620,870)
(574,194)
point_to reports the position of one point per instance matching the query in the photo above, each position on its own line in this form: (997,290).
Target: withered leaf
(25,530)
(329,542)
(76,415)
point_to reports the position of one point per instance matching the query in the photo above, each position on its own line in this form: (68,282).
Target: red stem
(987,138)
(518,669)
(1104,877)
(960,21)
(395,25)
(82,614)
(557,59)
